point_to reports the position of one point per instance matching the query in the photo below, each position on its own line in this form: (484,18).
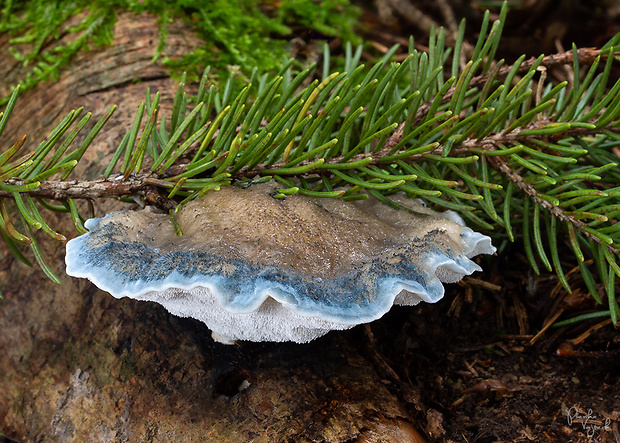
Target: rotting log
(79,365)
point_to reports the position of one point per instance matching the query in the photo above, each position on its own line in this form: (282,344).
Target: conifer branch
(84,189)
(502,165)
(535,167)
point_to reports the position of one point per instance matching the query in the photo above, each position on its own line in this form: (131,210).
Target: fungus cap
(256,268)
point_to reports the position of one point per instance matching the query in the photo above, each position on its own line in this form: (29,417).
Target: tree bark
(79,365)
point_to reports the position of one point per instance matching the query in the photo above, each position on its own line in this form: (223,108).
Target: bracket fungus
(256,268)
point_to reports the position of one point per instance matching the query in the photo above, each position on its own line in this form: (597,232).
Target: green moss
(244,33)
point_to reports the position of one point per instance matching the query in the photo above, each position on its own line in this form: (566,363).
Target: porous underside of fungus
(256,268)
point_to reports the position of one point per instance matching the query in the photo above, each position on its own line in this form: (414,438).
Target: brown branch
(586,55)
(500,164)
(86,189)
(143,185)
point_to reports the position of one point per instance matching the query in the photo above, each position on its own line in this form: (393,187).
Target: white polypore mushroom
(256,268)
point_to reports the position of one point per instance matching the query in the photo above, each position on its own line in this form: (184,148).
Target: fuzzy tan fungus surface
(257,268)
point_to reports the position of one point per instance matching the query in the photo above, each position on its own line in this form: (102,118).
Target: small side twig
(501,165)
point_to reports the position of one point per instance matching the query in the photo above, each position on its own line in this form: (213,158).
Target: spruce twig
(537,167)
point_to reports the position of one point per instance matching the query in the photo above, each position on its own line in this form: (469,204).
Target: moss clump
(244,33)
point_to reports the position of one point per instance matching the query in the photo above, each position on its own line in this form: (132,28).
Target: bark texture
(79,365)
